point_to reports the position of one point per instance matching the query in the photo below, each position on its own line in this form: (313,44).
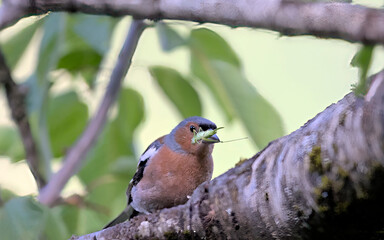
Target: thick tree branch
(323,181)
(326,20)
(16,100)
(77,153)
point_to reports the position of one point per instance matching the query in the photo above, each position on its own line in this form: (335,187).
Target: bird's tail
(127,214)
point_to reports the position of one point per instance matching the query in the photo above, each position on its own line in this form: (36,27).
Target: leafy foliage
(259,117)
(22,218)
(215,63)
(116,141)
(82,61)
(67,117)
(178,89)
(205,46)
(76,44)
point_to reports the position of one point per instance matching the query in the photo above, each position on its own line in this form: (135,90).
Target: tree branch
(323,181)
(16,100)
(325,20)
(77,153)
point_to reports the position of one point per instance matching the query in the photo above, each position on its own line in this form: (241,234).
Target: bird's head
(180,138)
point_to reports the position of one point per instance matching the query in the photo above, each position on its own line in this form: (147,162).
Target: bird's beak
(212,139)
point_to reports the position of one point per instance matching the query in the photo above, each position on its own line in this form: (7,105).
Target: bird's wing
(144,159)
(129,212)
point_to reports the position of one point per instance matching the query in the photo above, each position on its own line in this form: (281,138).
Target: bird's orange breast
(167,181)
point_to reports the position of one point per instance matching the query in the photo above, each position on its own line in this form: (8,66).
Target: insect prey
(202,135)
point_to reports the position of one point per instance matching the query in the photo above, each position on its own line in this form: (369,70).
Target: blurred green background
(254,83)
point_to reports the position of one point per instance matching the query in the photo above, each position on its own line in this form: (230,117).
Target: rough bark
(323,181)
(330,20)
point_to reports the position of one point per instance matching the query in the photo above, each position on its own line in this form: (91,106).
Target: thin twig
(16,101)
(77,153)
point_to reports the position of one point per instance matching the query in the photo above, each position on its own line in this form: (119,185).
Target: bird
(170,169)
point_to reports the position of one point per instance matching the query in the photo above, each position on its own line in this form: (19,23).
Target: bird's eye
(192,128)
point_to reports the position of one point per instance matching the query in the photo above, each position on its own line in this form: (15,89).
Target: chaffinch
(170,169)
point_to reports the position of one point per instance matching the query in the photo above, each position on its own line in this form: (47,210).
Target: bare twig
(77,153)
(321,19)
(16,102)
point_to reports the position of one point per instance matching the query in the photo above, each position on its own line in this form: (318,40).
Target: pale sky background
(300,76)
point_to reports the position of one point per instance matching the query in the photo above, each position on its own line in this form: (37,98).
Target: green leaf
(168,37)
(123,165)
(85,61)
(216,64)
(95,30)
(50,45)
(178,90)
(205,46)
(10,144)
(87,39)
(14,47)
(39,85)
(55,227)
(213,46)
(116,140)
(258,116)
(67,117)
(131,112)
(22,218)
(106,192)
(80,60)
(362,60)
(70,215)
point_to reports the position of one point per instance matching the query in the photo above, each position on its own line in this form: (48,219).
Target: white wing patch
(148,154)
